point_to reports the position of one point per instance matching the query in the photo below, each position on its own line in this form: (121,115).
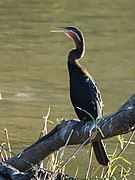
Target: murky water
(33,72)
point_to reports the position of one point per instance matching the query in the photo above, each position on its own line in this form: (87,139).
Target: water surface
(33,72)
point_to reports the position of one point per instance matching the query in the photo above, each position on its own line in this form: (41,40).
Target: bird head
(77,36)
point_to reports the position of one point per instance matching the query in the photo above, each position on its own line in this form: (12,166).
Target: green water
(33,72)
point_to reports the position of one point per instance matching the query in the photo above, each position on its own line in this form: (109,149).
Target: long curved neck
(76,54)
(80,48)
(74,67)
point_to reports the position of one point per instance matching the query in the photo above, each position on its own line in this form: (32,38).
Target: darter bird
(84,93)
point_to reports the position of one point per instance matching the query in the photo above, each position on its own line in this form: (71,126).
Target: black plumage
(84,93)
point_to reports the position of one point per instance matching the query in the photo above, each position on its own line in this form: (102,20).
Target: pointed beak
(66,31)
(60,29)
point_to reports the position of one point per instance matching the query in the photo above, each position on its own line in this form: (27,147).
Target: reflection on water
(24,96)
(33,72)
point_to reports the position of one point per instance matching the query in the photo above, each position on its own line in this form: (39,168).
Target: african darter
(84,93)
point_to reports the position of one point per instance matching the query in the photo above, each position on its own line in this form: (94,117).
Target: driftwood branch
(120,122)
(7,172)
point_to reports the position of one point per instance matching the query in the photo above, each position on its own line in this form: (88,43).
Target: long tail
(100,153)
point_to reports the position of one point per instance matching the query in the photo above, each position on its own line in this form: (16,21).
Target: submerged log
(119,122)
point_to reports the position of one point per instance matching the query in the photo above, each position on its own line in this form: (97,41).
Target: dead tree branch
(120,122)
